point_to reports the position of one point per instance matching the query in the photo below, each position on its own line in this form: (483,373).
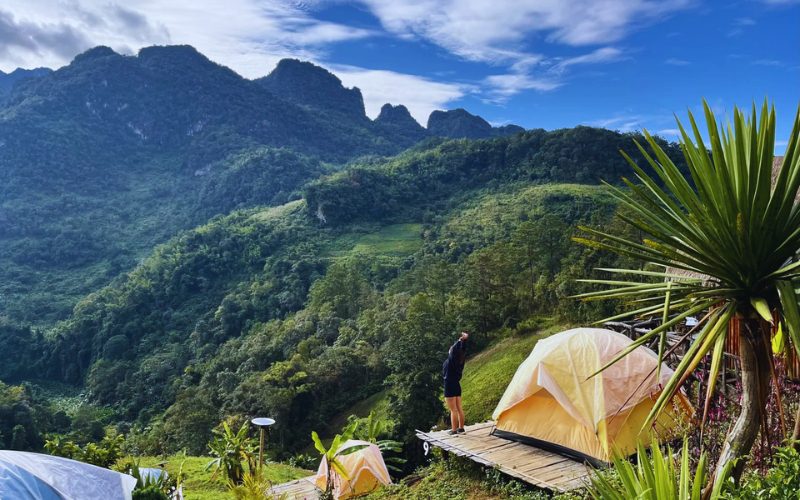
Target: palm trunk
(796,433)
(754,364)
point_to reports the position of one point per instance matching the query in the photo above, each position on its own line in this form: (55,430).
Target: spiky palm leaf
(729,220)
(654,477)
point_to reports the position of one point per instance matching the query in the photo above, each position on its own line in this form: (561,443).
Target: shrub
(232,450)
(781,481)
(655,478)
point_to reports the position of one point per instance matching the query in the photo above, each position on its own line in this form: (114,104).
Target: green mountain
(179,245)
(9,80)
(107,157)
(396,121)
(460,124)
(301,310)
(312,87)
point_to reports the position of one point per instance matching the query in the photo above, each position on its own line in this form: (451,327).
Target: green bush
(102,454)
(782,480)
(232,450)
(654,477)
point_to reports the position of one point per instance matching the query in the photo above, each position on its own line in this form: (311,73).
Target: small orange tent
(554,402)
(365,469)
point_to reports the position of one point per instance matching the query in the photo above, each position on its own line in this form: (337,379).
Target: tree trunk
(796,433)
(754,368)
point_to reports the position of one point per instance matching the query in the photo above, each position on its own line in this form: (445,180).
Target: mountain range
(112,154)
(183,245)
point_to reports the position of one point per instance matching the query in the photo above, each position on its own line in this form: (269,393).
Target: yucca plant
(654,477)
(733,224)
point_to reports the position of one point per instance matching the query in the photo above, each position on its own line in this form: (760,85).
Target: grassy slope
(485,378)
(487,374)
(378,402)
(396,240)
(198,482)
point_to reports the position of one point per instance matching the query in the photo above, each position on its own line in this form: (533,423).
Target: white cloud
(502,87)
(604,54)
(672,61)
(769,62)
(420,95)
(248,35)
(744,21)
(622,123)
(501,33)
(496,31)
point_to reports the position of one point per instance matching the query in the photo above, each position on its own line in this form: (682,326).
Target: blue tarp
(32,476)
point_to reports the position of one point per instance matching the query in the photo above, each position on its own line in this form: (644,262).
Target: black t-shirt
(453,366)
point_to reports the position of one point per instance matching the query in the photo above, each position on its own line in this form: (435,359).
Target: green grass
(198,482)
(378,402)
(396,240)
(457,479)
(487,374)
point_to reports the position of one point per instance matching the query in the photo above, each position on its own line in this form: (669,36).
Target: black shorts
(452,388)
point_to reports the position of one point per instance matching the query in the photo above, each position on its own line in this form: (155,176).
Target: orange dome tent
(553,401)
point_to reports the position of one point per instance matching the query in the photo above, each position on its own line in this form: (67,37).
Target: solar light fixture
(263,424)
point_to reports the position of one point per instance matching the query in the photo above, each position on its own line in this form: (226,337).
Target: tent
(553,401)
(43,477)
(365,469)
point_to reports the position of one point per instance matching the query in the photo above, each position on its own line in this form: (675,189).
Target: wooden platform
(299,489)
(533,465)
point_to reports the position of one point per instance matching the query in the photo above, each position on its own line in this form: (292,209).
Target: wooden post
(261,449)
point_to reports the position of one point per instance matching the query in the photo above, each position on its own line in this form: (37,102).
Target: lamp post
(263,424)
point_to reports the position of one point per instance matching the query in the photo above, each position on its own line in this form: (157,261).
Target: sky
(620,64)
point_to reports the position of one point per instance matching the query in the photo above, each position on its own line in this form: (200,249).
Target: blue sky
(620,64)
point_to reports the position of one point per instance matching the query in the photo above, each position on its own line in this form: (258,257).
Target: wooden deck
(533,465)
(299,489)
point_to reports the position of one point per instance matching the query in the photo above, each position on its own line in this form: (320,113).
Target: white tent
(557,399)
(365,468)
(35,476)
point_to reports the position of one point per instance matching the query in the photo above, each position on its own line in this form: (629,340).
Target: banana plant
(373,428)
(731,223)
(231,451)
(330,456)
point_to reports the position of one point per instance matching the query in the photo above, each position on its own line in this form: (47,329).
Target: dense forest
(215,246)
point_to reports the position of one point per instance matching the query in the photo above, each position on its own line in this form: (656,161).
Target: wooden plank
(298,489)
(526,463)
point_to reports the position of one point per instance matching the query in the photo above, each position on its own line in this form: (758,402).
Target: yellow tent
(365,469)
(554,403)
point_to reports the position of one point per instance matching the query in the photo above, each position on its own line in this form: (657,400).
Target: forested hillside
(105,158)
(301,310)
(179,245)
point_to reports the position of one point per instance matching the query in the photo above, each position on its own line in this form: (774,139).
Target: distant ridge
(397,120)
(8,80)
(461,124)
(306,84)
